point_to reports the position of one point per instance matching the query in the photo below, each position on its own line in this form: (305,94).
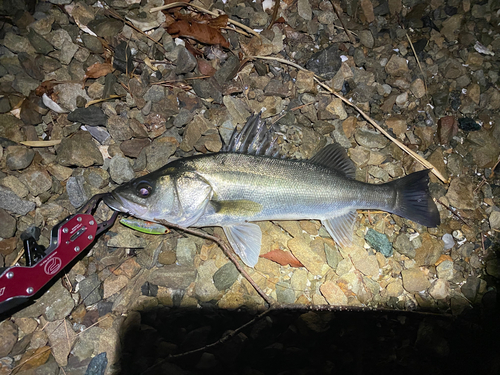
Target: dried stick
(227,250)
(348,32)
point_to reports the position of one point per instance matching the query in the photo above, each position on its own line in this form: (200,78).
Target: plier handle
(68,239)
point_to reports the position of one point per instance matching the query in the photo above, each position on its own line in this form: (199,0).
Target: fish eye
(144,190)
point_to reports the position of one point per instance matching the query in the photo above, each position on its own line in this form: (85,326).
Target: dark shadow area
(313,342)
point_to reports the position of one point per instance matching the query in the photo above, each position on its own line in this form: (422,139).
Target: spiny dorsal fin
(334,157)
(253,139)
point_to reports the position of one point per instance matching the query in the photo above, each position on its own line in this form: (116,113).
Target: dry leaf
(202,32)
(205,68)
(46,87)
(98,70)
(282,257)
(41,143)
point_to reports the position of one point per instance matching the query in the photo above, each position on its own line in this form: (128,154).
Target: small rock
(120,170)
(128,240)
(447,129)
(367,7)
(398,124)
(333,294)
(304,9)
(415,280)
(467,124)
(59,172)
(11,128)
(396,66)
(97,365)
(306,256)
(367,265)
(445,270)
(284,293)
(8,227)
(448,241)
(186,250)
(90,290)
(471,288)
(336,107)
(118,128)
(158,152)
(173,276)
(61,338)
(440,289)
(76,192)
(8,337)
(460,193)
(333,256)
(99,133)
(79,150)
(92,43)
(62,41)
(379,242)
(366,38)
(370,139)
(37,180)
(88,116)
(41,45)
(418,88)
(205,289)
(227,71)
(67,94)
(395,289)
(113,284)
(495,220)
(430,250)
(226,276)
(11,202)
(326,62)
(19,157)
(133,147)
(186,62)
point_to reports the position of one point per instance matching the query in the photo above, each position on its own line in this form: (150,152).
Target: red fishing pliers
(68,239)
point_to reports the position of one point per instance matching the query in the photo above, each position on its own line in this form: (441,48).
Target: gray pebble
(19,157)
(76,192)
(11,202)
(225,276)
(8,227)
(120,169)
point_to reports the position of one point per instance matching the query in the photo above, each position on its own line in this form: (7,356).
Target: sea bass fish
(247,182)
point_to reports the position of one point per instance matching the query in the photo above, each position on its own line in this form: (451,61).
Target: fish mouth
(115,203)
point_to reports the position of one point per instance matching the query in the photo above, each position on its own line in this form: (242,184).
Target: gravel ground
(112,91)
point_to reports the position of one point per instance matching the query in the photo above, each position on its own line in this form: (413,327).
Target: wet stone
(333,256)
(333,294)
(471,288)
(460,193)
(19,157)
(88,116)
(185,252)
(79,150)
(11,202)
(494,220)
(118,128)
(68,93)
(228,70)
(366,38)
(63,42)
(430,250)
(379,242)
(205,289)
(225,276)
(403,245)
(127,239)
(38,42)
(445,270)
(158,152)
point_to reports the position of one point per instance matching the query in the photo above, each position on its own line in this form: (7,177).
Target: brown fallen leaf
(282,257)
(205,68)
(46,87)
(98,70)
(202,32)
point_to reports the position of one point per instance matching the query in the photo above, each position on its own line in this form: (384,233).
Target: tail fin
(414,201)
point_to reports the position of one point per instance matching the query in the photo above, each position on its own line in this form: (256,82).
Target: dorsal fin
(253,139)
(334,157)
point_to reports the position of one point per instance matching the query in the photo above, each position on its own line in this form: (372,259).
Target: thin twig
(418,62)
(179,4)
(227,250)
(274,17)
(348,32)
(453,212)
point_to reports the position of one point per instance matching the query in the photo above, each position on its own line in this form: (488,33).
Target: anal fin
(245,239)
(341,228)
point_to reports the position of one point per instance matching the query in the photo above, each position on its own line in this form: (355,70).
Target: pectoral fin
(245,238)
(341,228)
